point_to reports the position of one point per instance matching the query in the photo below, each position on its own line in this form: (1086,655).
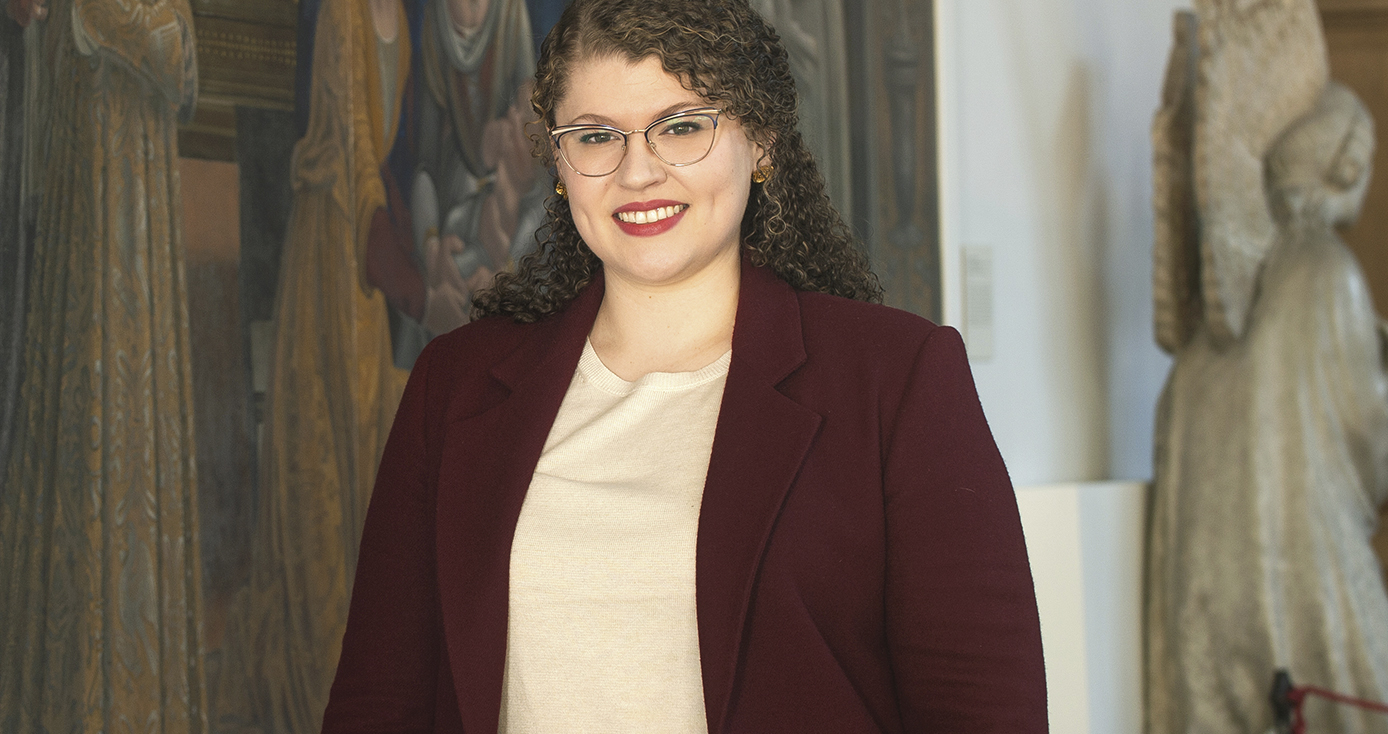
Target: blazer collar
(553,341)
(766,334)
(761,440)
(486,466)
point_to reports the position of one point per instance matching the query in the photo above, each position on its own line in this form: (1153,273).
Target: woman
(678,478)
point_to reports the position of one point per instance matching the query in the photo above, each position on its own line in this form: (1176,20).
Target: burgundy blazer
(860,563)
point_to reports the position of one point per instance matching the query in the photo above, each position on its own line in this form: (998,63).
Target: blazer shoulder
(478,344)
(460,362)
(869,329)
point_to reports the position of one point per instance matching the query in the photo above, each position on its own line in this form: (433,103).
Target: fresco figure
(477,199)
(99,567)
(333,384)
(1272,440)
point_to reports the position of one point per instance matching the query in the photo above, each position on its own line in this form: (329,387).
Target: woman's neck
(682,328)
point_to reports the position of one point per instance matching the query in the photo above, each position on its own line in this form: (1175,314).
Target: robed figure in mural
(333,385)
(99,569)
(476,197)
(372,268)
(1272,432)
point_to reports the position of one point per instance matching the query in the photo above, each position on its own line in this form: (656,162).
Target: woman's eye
(595,137)
(682,127)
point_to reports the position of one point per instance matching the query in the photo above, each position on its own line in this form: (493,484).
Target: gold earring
(559,189)
(761,174)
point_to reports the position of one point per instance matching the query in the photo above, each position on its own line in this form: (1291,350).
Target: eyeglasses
(682,139)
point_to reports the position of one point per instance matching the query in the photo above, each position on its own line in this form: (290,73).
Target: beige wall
(1046,107)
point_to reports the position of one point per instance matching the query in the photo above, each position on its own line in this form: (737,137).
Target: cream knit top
(602,633)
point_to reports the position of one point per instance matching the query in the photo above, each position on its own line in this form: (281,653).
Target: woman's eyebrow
(591,119)
(678,107)
(596,119)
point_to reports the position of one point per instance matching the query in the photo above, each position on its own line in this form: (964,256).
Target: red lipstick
(652,228)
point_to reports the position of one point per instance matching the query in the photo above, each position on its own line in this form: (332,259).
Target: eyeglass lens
(679,141)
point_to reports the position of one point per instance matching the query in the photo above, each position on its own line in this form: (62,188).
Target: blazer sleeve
(962,625)
(389,668)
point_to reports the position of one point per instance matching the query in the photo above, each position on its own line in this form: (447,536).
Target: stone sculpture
(1272,432)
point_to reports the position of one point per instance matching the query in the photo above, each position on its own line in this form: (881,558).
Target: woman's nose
(640,167)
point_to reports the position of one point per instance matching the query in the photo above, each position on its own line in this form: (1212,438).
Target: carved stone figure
(1272,432)
(100,611)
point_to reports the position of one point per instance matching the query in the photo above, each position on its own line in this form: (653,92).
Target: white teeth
(651,216)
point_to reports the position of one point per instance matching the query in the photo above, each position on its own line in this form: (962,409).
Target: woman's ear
(763,151)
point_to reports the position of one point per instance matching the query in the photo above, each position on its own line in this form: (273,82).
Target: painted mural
(412,185)
(352,173)
(100,584)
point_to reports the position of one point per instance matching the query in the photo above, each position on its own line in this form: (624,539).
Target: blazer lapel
(761,440)
(488,461)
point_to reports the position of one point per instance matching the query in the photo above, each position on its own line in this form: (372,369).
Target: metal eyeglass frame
(557,132)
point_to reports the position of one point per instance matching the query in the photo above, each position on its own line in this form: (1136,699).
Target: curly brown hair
(725,52)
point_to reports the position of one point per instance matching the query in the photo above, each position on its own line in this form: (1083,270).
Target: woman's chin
(662,271)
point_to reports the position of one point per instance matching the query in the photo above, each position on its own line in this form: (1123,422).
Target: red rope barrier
(1298,696)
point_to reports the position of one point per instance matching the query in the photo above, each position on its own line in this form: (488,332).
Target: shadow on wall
(1069,209)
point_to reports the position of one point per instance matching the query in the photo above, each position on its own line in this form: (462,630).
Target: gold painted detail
(243,47)
(242,63)
(283,13)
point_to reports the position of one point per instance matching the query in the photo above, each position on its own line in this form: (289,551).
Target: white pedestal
(1086,544)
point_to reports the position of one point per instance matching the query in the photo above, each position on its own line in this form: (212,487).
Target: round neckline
(591,367)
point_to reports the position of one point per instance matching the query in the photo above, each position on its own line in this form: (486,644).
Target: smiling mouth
(651,216)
